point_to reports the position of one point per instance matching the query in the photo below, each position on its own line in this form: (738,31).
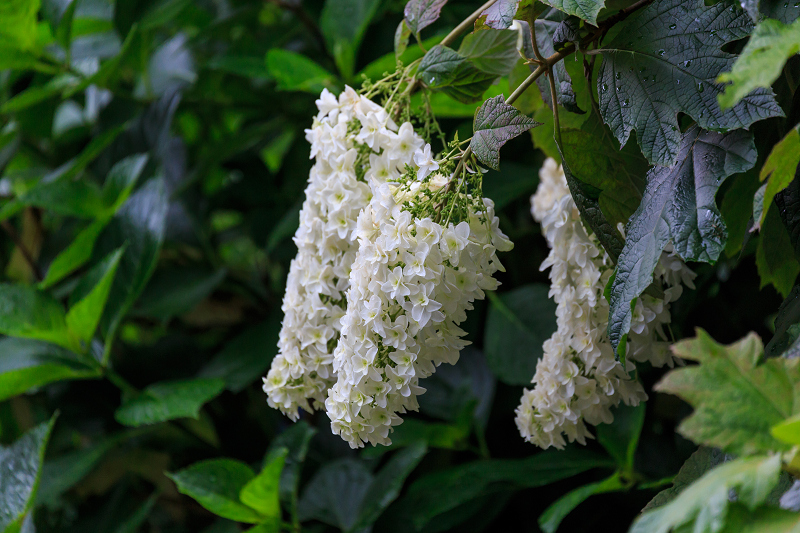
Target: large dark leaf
(547,25)
(422,13)
(495,124)
(678,206)
(665,61)
(585,9)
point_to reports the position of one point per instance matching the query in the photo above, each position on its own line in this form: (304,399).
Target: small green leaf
(736,400)
(678,206)
(444,69)
(517,325)
(18,30)
(386,485)
(761,61)
(19,476)
(764,519)
(31,314)
(216,485)
(775,259)
(645,79)
(622,436)
(262,492)
(26,365)
(420,14)
(296,72)
(495,124)
(401,36)
(705,502)
(550,519)
(781,167)
(788,431)
(75,255)
(168,400)
(83,317)
(585,9)
(343,23)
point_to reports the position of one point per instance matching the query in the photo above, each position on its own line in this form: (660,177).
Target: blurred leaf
(173,291)
(736,399)
(83,317)
(26,365)
(296,439)
(788,315)
(168,400)
(781,167)
(386,485)
(585,9)
(678,206)
(246,66)
(135,521)
(705,502)
(550,519)
(444,69)
(162,12)
(121,180)
(741,519)
(491,51)
(31,314)
(788,431)
(296,72)
(335,493)
(401,37)
(761,61)
(388,62)
(513,181)
(621,437)
(216,485)
(343,23)
(435,435)
(499,15)
(38,93)
(736,209)
(284,229)
(75,255)
(517,325)
(420,14)
(18,28)
(274,152)
(262,492)
(775,258)
(700,462)
(442,491)
(495,124)
(19,475)
(247,357)
(60,474)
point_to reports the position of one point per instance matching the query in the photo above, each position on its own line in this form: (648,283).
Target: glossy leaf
(296,72)
(495,124)
(788,431)
(761,61)
(216,485)
(445,69)
(31,314)
(517,325)
(261,492)
(704,502)
(678,206)
(736,400)
(550,519)
(420,14)
(20,470)
(83,317)
(664,61)
(168,401)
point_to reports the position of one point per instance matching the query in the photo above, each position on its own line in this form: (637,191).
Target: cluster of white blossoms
(577,380)
(411,285)
(356,146)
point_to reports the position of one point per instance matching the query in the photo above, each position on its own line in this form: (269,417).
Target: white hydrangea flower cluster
(356,146)
(411,284)
(577,380)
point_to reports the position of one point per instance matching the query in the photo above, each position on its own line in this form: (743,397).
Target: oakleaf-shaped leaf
(495,124)
(761,61)
(547,26)
(786,12)
(444,69)
(422,13)
(700,462)
(499,15)
(678,206)
(736,400)
(666,60)
(585,9)
(704,503)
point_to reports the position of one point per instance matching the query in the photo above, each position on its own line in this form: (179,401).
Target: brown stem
(556,125)
(466,23)
(26,254)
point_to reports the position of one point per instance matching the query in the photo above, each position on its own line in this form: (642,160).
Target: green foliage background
(152,167)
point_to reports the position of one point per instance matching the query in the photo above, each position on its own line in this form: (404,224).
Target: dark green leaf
(26,365)
(262,492)
(445,69)
(495,124)
(168,400)
(401,36)
(247,357)
(216,485)
(546,27)
(665,61)
(335,493)
(737,208)
(83,317)
(499,15)
(134,522)
(761,61)
(386,485)
(776,262)
(75,255)
(704,502)
(31,314)
(20,469)
(736,399)
(18,30)
(491,51)
(700,462)
(175,291)
(343,23)
(678,206)
(296,439)
(517,325)
(440,492)
(764,519)
(121,179)
(420,14)
(550,519)
(788,204)
(585,9)
(513,181)
(61,474)
(781,166)
(788,315)
(296,72)
(622,436)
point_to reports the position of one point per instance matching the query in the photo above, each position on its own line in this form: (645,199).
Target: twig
(26,254)
(466,23)
(556,125)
